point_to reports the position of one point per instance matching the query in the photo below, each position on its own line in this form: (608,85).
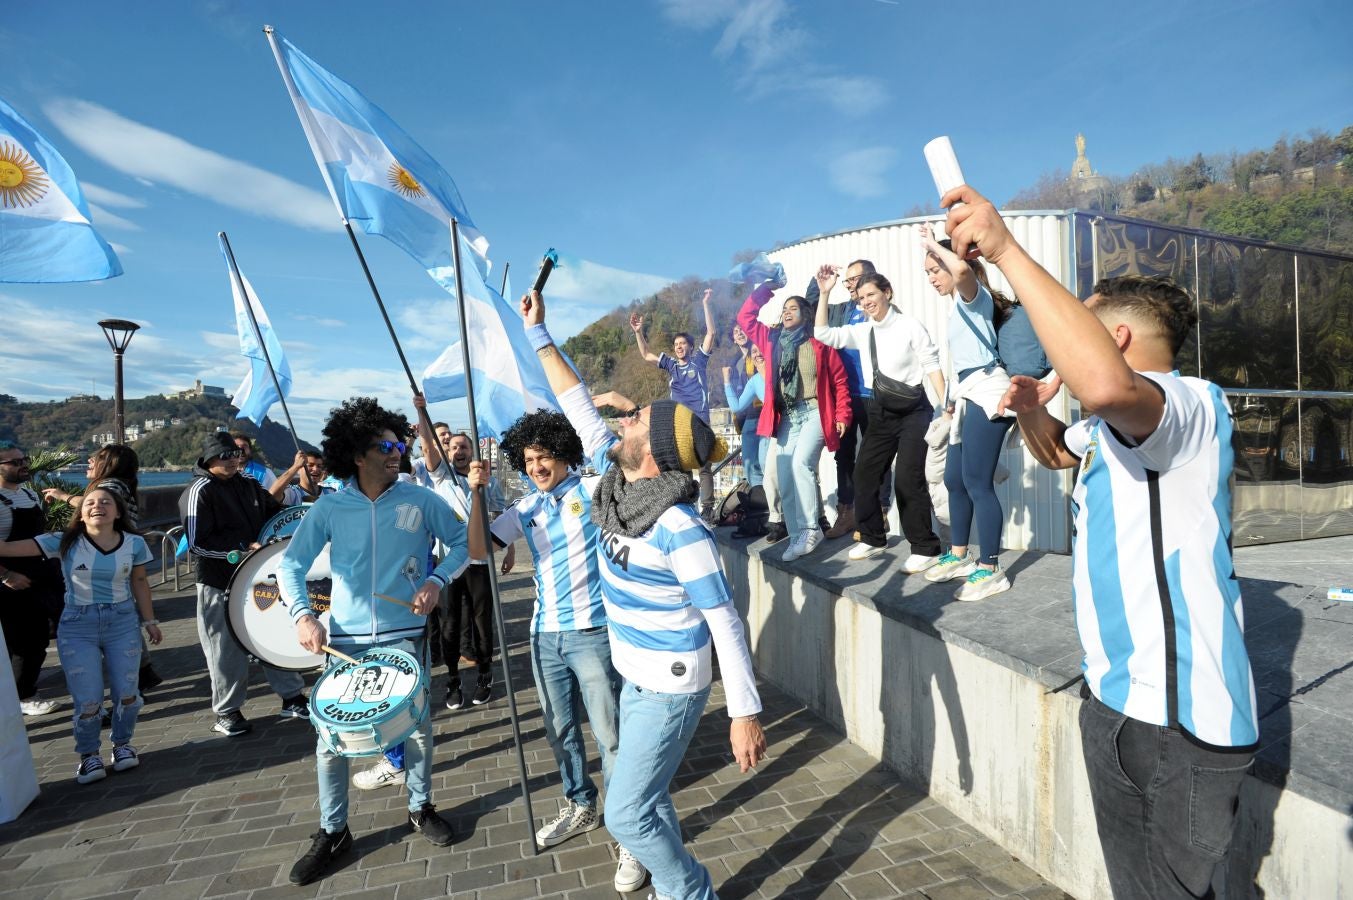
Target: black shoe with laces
(432,826)
(232,724)
(326,847)
(295,708)
(483,690)
(454,698)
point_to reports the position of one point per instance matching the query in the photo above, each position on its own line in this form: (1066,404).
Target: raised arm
(432,450)
(964,279)
(279,487)
(637,325)
(707,344)
(826,280)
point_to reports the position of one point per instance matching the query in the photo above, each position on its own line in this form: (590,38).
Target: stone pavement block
(242,880)
(207,865)
(872,886)
(949,839)
(513,890)
(963,889)
(1046,892)
(1010,878)
(558,884)
(189,889)
(471,879)
(911,875)
(93,886)
(396,874)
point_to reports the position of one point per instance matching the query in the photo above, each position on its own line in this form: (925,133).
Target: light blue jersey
(1157,602)
(377,547)
(94,575)
(966,351)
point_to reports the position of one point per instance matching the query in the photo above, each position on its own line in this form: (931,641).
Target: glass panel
(1247,316)
(1267,502)
(1326,301)
(1327,467)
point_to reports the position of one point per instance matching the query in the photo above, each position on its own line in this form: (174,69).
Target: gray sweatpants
(227,663)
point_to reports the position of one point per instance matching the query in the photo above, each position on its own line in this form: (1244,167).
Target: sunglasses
(386,446)
(629,418)
(17,461)
(230,454)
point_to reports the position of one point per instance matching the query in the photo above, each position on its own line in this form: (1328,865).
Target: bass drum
(260,619)
(284,523)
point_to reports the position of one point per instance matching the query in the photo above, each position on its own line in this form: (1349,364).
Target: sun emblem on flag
(22,181)
(404,183)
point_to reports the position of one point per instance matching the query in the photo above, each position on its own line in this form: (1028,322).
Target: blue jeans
(798,443)
(969,469)
(573,672)
(89,638)
(655,730)
(332,769)
(752,453)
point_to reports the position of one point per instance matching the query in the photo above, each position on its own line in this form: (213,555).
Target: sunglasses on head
(18,460)
(386,446)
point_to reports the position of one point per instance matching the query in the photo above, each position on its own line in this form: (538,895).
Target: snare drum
(364,709)
(260,619)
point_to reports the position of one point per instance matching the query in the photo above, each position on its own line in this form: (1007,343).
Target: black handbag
(893,395)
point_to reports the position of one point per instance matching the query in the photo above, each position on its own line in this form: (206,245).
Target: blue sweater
(376,547)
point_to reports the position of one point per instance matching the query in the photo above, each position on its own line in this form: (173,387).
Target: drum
(283,524)
(364,709)
(260,619)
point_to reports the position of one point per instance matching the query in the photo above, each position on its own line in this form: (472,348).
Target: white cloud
(862,173)
(319,320)
(157,157)
(773,53)
(110,198)
(102,218)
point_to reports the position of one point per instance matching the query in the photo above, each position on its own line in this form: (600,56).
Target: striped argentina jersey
(1157,603)
(94,575)
(559,530)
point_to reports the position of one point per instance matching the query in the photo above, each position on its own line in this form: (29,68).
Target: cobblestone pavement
(210,816)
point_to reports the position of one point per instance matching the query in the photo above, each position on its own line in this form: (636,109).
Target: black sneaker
(431,826)
(324,850)
(295,708)
(232,724)
(483,690)
(776,531)
(454,698)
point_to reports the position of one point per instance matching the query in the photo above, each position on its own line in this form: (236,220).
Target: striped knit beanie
(679,440)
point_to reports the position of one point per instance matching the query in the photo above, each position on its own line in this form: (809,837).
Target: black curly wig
(352,428)
(549,431)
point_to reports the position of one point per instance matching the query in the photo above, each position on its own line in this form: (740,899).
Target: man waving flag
(45,232)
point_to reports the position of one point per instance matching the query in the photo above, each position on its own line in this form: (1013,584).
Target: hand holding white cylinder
(939,155)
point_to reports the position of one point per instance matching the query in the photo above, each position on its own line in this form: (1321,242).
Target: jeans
(969,468)
(332,769)
(573,672)
(655,730)
(227,663)
(901,436)
(798,443)
(751,452)
(89,638)
(1164,806)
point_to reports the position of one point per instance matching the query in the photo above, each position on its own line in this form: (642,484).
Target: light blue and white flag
(256,393)
(506,373)
(377,175)
(45,232)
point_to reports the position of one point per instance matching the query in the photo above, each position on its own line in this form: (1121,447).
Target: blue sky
(655,137)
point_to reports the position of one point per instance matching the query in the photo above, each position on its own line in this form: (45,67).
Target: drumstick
(343,656)
(404,603)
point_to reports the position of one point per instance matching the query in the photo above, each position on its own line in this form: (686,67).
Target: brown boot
(845,522)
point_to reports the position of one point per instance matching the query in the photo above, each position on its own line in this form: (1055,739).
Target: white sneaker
(382,774)
(983,583)
(861,550)
(918,563)
(37,707)
(812,539)
(950,567)
(573,818)
(630,874)
(795,547)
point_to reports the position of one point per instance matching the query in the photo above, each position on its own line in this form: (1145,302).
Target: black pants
(845,454)
(900,438)
(23,616)
(466,622)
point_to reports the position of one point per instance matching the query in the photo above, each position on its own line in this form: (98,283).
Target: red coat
(833,395)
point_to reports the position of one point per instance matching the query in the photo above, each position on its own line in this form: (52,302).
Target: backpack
(1017,349)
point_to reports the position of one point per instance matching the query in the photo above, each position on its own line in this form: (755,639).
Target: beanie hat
(215,444)
(679,440)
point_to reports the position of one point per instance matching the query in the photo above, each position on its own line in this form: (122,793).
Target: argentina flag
(377,175)
(45,232)
(257,392)
(506,373)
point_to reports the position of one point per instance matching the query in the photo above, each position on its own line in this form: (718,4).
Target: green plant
(45,472)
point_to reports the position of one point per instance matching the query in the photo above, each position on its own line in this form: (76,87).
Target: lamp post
(119,333)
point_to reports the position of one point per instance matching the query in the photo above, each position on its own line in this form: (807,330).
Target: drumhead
(258,616)
(284,524)
(375,690)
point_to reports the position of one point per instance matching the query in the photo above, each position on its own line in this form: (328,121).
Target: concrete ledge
(962,699)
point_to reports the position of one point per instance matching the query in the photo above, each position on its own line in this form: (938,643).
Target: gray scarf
(630,508)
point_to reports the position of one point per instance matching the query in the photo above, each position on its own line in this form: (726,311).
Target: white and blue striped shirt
(94,575)
(1157,602)
(559,530)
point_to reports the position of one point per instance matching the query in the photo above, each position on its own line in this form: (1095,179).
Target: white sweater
(906,351)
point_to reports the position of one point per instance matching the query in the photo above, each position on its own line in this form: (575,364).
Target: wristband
(539,336)
(146,623)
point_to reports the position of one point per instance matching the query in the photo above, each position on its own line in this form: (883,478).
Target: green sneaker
(950,567)
(983,583)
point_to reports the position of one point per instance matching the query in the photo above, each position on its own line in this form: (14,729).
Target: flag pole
(503,292)
(258,333)
(488,539)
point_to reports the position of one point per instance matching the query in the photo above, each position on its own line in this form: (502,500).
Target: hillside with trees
(70,423)
(1299,192)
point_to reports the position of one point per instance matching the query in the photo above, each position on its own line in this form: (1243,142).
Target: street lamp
(119,333)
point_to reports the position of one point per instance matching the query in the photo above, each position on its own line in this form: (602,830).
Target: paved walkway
(209,816)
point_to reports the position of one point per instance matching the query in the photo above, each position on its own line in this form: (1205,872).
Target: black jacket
(221,515)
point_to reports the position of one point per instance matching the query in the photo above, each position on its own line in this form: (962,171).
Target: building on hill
(83,398)
(198,390)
